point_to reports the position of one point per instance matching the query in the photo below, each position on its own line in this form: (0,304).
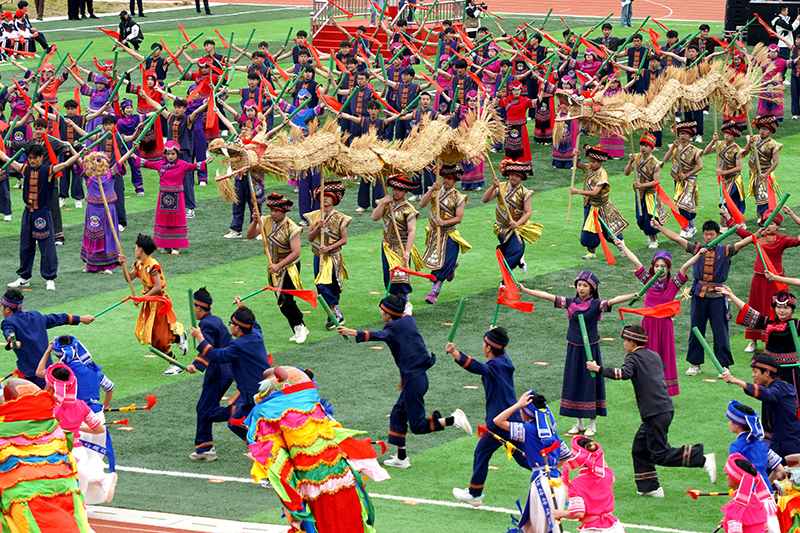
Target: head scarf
(511,166)
(749,486)
(399,181)
(545,422)
(65,392)
(334,189)
(591,462)
(393,310)
(72,352)
(751,422)
(279,202)
(638,338)
(766,214)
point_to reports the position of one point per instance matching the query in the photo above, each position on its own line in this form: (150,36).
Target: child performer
(413,360)
(650,446)
(399,231)
(762,178)
(729,162)
(217,378)
(329,267)
(442,247)
(513,212)
(747,511)
(497,375)
(544,450)
(591,493)
(99,248)
(171,231)
(773,245)
(152,327)
(596,192)
(744,422)
(648,173)
(582,396)
(686,163)
(775,323)
(29,328)
(283,237)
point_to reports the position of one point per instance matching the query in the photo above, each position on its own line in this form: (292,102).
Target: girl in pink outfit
(750,508)
(75,416)
(591,493)
(171,231)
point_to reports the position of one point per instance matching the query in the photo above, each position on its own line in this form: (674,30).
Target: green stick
(98,130)
(249,39)
(684,40)
(286,86)
(455,99)
(793,330)
(148,124)
(116,89)
(330,312)
(102,138)
(14,158)
(600,24)
(349,97)
(383,12)
(457,320)
(496,311)
(696,61)
(259,291)
(399,52)
(192,316)
(389,285)
(510,272)
(288,36)
(647,285)
(545,19)
(708,349)
(586,345)
(383,67)
(230,48)
(721,237)
(10,129)
(776,210)
(107,309)
(505,80)
(193,39)
(165,357)
(79,56)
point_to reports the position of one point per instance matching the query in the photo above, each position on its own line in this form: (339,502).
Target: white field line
(440,503)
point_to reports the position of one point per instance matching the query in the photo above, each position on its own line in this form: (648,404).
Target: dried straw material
(424,144)
(315,149)
(358,159)
(225,189)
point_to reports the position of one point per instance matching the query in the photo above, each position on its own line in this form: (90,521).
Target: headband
(202,303)
(545,423)
(172,145)
(784,298)
(757,363)
(638,338)
(14,305)
(244,324)
(64,391)
(493,342)
(391,309)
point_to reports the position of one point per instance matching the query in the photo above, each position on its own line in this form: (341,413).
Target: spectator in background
(129,31)
(785,27)
(133,8)
(627,13)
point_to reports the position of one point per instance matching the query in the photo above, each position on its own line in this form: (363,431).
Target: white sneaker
(210,455)
(233,235)
(710,466)
(360,209)
(460,421)
(300,334)
(787,83)
(413,198)
(139,193)
(258,237)
(17,185)
(653,242)
(265,483)
(658,493)
(175,251)
(523,266)
(576,429)
(750,348)
(724,369)
(78,204)
(693,370)
(397,463)
(684,234)
(409,309)
(699,139)
(591,430)
(293,337)
(120,227)
(6,218)
(20,282)
(203,183)
(691,232)
(589,256)
(190,213)
(173,370)
(183,343)
(463,495)
(62,202)
(50,285)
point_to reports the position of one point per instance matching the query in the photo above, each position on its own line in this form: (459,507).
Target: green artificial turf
(361,380)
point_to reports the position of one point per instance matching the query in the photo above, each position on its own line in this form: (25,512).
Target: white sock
(580,421)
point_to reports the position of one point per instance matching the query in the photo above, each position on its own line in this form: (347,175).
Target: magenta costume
(99,249)
(170,229)
(661,337)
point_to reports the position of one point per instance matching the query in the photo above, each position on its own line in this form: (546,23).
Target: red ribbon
(737,215)
(664,197)
(183,32)
(308,296)
(221,38)
(329,100)
(175,59)
(414,273)
(667,310)
(111,33)
(606,251)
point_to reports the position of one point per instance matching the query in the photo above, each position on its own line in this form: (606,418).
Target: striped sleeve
(752,390)
(560,302)
(564,452)
(773,460)
(106,384)
(516,431)
(576,505)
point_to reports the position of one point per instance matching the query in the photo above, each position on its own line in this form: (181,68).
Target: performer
(38,191)
(156,327)
(513,212)
(517,143)
(729,162)
(247,357)
(582,396)
(283,237)
(596,192)
(29,329)
(661,338)
(399,231)
(650,446)
(775,324)
(778,404)
(746,512)
(217,378)
(708,305)
(443,246)
(762,177)
(244,197)
(744,422)
(413,360)
(329,267)
(544,451)
(773,245)
(497,375)
(647,176)
(591,493)
(770,99)
(686,163)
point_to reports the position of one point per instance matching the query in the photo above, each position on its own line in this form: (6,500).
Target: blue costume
(37,224)
(218,377)
(749,443)
(780,415)
(30,329)
(708,305)
(89,375)
(248,359)
(412,358)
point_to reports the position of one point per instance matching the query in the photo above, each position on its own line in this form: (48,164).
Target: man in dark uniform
(650,447)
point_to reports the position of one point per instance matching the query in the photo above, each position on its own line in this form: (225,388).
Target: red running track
(109,526)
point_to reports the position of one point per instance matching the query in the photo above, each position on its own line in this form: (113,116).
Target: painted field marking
(391,497)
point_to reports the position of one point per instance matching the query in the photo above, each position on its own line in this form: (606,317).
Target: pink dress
(661,335)
(594,496)
(170,229)
(71,415)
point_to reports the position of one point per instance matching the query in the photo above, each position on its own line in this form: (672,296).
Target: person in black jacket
(129,31)
(650,447)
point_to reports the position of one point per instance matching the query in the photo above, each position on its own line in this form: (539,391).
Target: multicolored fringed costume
(767,149)
(312,462)
(647,204)
(685,159)
(394,223)
(728,154)
(609,218)
(511,202)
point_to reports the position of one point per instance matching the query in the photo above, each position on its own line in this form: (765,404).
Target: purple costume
(126,125)
(99,249)
(97,99)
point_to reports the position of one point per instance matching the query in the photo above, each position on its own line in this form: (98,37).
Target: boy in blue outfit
(248,359)
(216,381)
(412,358)
(29,328)
(744,422)
(89,375)
(497,375)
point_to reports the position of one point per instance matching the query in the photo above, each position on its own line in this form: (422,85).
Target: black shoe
(93,16)
(142,15)
(329,324)
(209,13)
(83,17)
(40,19)
(198,10)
